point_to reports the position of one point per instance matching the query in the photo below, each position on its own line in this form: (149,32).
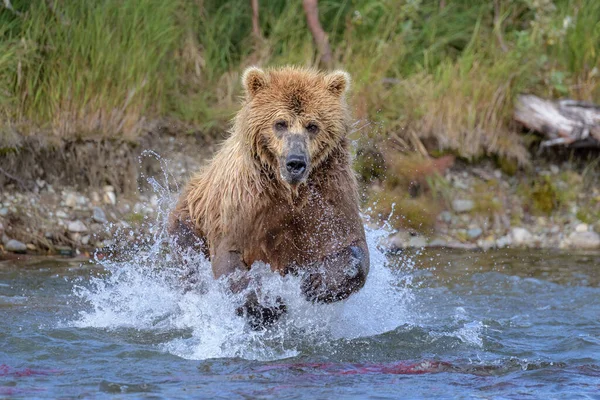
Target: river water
(427,324)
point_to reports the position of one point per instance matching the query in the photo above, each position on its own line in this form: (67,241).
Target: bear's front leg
(337,276)
(228,260)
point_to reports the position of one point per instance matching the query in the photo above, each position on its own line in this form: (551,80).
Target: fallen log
(563,122)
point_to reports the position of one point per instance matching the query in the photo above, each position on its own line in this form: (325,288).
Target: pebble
(438,242)
(474,233)
(15,246)
(77,227)
(70,199)
(581,228)
(446,216)
(3,212)
(417,242)
(109,198)
(503,242)
(98,215)
(521,236)
(95,197)
(64,251)
(397,241)
(461,205)
(61,214)
(31,246)
(486,244)
(461,246)
(584,240)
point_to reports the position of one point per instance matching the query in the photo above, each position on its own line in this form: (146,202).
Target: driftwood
(563,122)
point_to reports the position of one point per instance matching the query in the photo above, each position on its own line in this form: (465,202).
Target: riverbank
(479,206)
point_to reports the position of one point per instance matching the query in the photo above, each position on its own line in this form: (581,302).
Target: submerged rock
(15,246)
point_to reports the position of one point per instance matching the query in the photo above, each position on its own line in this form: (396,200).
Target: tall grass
(432,78)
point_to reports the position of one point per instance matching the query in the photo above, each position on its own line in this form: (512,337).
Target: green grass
(444,78)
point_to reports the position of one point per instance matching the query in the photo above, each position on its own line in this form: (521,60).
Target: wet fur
(243,210)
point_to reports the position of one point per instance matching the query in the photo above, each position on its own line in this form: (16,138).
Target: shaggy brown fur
(244,206)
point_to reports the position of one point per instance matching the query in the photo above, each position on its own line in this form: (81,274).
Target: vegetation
(421,71)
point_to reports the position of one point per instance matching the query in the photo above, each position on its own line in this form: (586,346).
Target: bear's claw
(260,316)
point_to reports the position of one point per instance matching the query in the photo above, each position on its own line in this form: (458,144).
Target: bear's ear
(254,80)
(338,82)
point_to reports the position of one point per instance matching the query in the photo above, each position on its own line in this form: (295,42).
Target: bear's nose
(295,165)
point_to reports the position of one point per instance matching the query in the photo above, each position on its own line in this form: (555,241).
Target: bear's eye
(312,128)
(281,125)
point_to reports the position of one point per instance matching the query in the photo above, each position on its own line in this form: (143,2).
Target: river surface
(440,324)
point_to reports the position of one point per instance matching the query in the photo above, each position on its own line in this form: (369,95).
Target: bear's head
(294,118)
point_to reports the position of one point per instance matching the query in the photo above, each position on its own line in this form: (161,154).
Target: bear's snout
(295,164)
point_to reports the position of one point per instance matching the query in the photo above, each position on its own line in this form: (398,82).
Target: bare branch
(255,19)
(311,9)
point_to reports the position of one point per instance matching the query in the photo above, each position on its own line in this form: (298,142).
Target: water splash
(143,290)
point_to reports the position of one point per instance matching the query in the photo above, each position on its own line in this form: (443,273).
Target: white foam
(145,292)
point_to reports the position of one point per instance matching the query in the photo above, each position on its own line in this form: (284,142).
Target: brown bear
(281,189)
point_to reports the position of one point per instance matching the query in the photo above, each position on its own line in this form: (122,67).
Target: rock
(64,250)
(95,197)
(584,240)
(461,205)
(31,246)
(397,241)
(75,236)
(98,215)
(109,198)
(446,216)
(438,242)
(77,227)
(503,242)
(581,228)
(3,212)
(1,229)
(521,236)
(108,189)
(474,233)
(82,201)
(554,169)
(15,246)
(61,214)
(85,240)
(417,242)
(461,246)
(70,199)
(486,244)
